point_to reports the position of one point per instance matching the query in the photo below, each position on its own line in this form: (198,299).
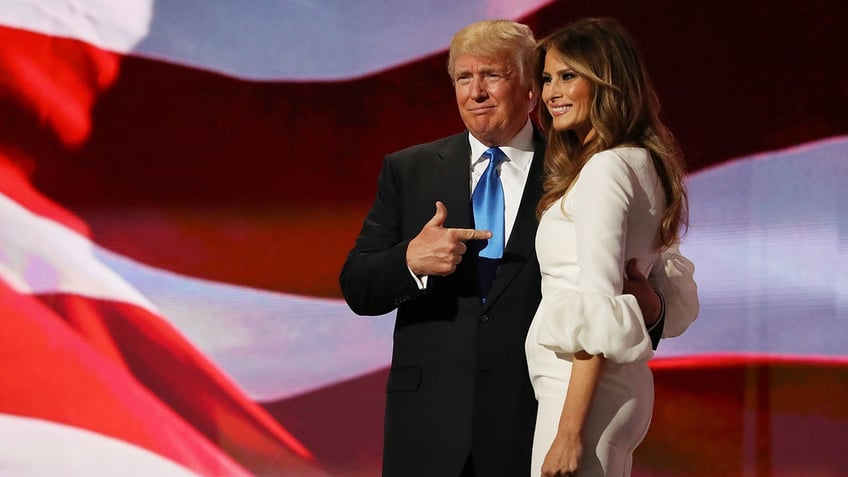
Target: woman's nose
(554,90)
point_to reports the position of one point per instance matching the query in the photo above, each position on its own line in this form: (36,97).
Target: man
(459,400)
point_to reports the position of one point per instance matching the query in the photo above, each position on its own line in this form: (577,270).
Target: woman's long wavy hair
(624,111)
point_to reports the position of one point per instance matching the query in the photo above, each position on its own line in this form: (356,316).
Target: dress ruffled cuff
(674,277)
(597,323)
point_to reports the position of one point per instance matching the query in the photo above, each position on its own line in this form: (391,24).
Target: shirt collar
(518,150)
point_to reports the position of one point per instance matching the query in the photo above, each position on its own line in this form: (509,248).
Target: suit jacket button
(484,319)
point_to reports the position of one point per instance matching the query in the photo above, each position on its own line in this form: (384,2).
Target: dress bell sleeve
(595,316)
(674,276)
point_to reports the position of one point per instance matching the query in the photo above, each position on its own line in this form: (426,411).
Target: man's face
(492,101)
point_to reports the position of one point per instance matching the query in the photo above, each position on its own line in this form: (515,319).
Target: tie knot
(495,155)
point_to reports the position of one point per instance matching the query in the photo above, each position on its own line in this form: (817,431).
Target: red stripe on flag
(49,372)
(15,184)
(727,416)
(747,415)
(117,369)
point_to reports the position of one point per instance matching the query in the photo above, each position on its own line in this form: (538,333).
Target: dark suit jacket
(458,382)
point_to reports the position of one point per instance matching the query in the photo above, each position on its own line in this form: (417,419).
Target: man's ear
(533,98)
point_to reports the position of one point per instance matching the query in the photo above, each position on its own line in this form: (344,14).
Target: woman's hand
(563,458)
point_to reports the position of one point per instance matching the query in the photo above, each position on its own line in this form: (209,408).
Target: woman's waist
(552,375)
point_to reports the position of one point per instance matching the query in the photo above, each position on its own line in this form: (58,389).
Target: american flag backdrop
(180,182)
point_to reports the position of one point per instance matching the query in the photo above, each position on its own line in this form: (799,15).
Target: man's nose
(478,89)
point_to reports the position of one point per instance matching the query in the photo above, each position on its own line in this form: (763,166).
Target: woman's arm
(564,454)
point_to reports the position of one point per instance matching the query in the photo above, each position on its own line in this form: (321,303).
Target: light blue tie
(488,204)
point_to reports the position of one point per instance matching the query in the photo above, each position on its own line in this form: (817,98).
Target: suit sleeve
(375,279)
(655,331)
(674,276)
(596,317)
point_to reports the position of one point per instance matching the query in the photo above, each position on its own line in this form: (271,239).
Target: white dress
(609,215)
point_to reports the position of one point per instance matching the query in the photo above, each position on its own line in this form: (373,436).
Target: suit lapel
(452,176)
(523,236)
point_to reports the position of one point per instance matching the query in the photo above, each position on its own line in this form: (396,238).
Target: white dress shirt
(513,172)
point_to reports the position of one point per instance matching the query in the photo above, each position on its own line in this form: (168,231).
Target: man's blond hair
(504,40)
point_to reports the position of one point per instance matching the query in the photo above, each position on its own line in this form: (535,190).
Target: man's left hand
(637,285)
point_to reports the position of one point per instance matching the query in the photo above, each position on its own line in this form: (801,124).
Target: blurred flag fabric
(180,183)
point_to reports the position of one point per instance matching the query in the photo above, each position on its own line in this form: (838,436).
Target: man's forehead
(473,62)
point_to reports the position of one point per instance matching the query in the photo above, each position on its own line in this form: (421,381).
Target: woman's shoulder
(617,159)
(628,154)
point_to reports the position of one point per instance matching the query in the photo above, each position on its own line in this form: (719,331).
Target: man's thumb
(632,270)
(441,214)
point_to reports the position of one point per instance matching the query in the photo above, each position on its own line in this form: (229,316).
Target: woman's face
(567,96)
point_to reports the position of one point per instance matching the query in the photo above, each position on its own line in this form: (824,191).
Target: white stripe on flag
(276,345)
(296,41)
(33,447)
(39,255)
(770,263)
(273,345)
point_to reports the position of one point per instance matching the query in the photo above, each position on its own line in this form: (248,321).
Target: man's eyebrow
(482,70)
(495,69)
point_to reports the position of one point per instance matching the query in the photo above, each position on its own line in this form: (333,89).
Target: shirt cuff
(421,281)
(662,311)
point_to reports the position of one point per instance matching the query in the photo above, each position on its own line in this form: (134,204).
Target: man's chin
(482,128)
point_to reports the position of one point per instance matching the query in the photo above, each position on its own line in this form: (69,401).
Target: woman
(614,192)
